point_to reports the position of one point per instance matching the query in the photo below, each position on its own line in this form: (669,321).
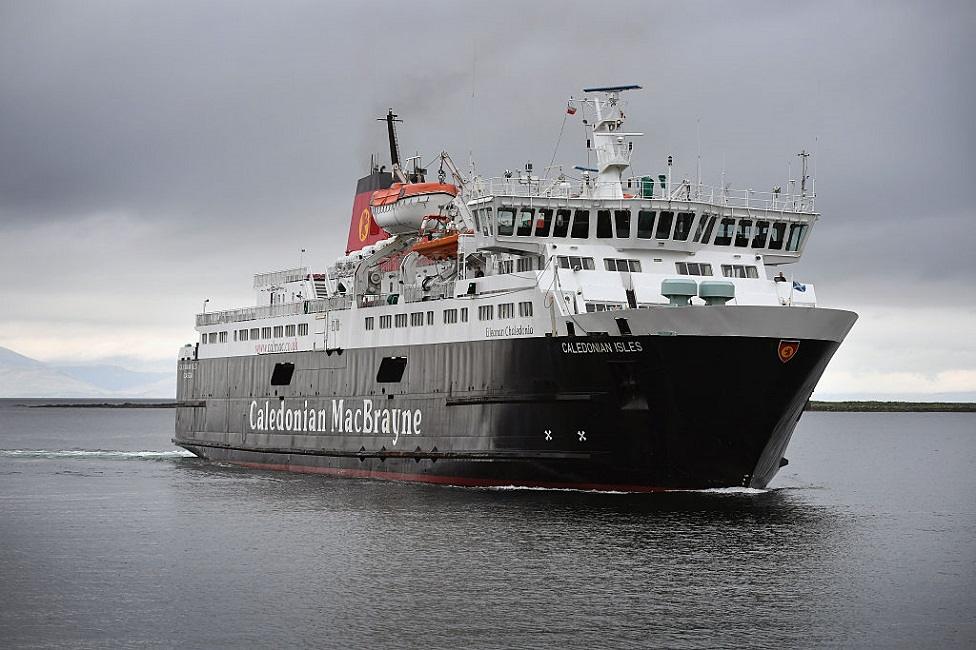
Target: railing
(270,311)
(279,278)
(644,187)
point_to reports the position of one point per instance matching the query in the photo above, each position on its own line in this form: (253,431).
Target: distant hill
(21,376)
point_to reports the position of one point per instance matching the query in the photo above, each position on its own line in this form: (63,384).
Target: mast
(612,150)
(391,120)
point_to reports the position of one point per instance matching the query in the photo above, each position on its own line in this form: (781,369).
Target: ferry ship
(574,328)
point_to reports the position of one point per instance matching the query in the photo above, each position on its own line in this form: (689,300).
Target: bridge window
(624,266)
(400,320)
(622,219)
(506,310)
(464,314)
(664,225)
(266,332)
(701,227)
(709,227)
(645,224)
(759,239)
(796,236)
(242,335)
(486,222)
(604,228)
(486,312)
(370,322)
(430,318)
(576,263)
(303,329)
(744,232)
(526,263)
(416,319)
(777,235)
(525,222)
(682,227)
(739,271)
(581,224)
(386,321)
(525,309)
(561,229)
(255,334)
(726,228)
(504,267)
(543,222)
(450,316)
(223,337)
(289,330)
(693,268)
(506,221)
(279,331)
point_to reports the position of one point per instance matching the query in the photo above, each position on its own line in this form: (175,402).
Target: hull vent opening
(391,370)
(281,375)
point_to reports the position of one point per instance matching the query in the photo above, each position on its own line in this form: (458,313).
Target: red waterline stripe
(443,480)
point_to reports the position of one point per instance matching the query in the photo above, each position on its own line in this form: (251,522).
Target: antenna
(803,173)
(699,157)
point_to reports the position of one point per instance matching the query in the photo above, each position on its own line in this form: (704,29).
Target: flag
(799,287)
(570,109)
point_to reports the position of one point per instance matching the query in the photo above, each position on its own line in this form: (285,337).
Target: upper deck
(524,214)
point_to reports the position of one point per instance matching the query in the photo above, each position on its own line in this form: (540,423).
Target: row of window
(630,266)
(693,268)
(728,270)
(256,333)
(449,316)
(651,224)
(740,271)
(602,306)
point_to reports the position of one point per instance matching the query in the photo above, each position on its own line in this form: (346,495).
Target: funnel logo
(364,223)
(787,350)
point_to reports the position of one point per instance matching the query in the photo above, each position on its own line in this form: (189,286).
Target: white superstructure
(531,254)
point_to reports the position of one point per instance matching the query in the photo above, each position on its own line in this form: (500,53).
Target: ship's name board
(508,330)
(337,419)
(601,347)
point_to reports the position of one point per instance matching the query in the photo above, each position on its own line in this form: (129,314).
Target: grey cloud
(236,130)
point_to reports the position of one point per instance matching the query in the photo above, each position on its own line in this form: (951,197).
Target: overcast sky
(153,154)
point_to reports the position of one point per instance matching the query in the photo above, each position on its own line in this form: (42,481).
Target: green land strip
(893,407)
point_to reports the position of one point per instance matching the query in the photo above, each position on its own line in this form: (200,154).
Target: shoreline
(876,406)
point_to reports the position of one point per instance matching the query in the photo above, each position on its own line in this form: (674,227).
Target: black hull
(638,413)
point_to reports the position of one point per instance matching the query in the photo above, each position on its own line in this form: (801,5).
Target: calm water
(109,537)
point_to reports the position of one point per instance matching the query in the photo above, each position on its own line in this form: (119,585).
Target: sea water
(112,537)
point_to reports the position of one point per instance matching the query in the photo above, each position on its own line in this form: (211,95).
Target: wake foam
(105,454)
(536,488)
(730,490)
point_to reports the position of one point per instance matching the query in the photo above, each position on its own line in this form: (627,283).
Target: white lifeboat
(401,209)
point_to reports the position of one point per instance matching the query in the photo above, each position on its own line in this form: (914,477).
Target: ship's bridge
(523,214)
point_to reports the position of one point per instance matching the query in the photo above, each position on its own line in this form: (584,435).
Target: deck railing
(279,278)
(270,311)
(643,187)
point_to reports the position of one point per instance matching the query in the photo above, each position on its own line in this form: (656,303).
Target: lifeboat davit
(441,248)
(401,209)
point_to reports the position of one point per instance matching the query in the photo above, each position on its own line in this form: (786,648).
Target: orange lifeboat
(402,208)
(441,248)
